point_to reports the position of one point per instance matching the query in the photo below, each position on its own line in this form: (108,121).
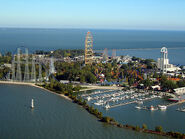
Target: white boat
(89,98)
(137,107)
(151,108)
(100,102)
(97,103)
(32,103)
(140,102)
(162,107)
(107,106)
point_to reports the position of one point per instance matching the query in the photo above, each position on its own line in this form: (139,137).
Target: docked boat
(137,107)
(140,102)
(97,103)
(89,98)
(107,106)
(151,108)
(162,107)
(100,102)
(178,99)
(181,109)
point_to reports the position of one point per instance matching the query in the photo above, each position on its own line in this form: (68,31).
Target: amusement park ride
(89,48)
(25,61)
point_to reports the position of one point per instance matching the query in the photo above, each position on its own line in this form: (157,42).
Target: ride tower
(164,59)
(105,54)
(113,53)
(88,48)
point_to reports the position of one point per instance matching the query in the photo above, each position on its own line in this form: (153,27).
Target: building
(163,62)
(156,87)
(179,91)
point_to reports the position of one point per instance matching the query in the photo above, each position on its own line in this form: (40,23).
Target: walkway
(122,104)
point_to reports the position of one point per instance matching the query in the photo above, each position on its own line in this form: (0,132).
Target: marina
(148,106)
(127,105)
(17,121)
(111,99)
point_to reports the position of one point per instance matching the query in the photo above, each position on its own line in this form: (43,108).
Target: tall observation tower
(164,59)
(88,48)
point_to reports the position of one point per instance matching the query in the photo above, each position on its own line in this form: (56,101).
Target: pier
(172,104)
(98,92)
(122,104)
(130,102)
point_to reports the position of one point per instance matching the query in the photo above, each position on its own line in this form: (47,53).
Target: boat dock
(122,104)
(176,103)
(181,110)
(135,101)
(97,92)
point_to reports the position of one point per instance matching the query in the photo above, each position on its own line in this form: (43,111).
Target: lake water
(52,117)
(51,39)
(170,119)
(10,38)
(176,55)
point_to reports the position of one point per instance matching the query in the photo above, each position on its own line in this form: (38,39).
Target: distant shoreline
(133,49)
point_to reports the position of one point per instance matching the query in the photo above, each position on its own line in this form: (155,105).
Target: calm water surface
(176,55)
(170,119)
(51,39)
(52,117)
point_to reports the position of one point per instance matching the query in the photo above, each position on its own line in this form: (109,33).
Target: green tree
(147,82)
(108,75)
(158,129)
(106,119)
(168,84)
(137,128)
(131,81)
(90,78)
(181,83)
(82,78)
(144,126)
(124,66)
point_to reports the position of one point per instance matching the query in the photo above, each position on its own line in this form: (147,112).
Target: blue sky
(109,14)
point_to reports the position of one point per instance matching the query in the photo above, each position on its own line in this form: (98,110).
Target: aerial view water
(92,69)
(176,55)
(52,117)
(55,117)
(137,43)
(170,119)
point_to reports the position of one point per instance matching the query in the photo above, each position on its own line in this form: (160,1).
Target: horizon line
(4,27)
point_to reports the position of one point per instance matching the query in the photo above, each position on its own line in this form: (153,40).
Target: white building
(179,91)
(168,67)
(163,62)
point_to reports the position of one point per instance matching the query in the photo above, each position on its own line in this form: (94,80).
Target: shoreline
(105,119)
(88,87)
(36,86)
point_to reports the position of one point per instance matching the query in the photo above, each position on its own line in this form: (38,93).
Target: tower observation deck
(88,48)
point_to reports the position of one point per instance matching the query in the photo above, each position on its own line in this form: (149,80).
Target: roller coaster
(27,67)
